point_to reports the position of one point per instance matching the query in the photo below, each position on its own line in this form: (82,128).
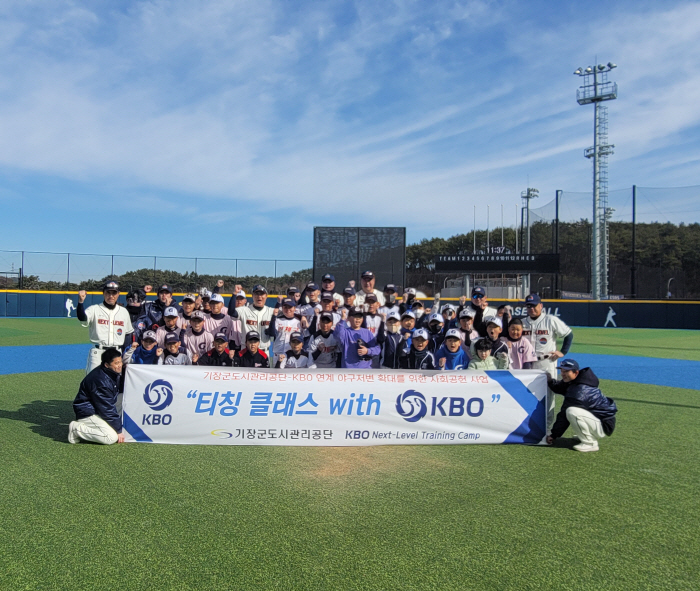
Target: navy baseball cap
(328,277)
(569,364)
(390,287)
(311,286)
(367,275)
(478,291)
(111,286)
(417,303)
(327,316)
(165,287)
(532,300)
(349,291)
(370,297)
(253,335)
(221,336)
(296,336)
(292,289)
(357,311)
(327,295)
(259,287)
(289,302)
(171,337)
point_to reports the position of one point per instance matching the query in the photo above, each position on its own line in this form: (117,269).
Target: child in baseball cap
(451,356)
(173,354)
(145,353)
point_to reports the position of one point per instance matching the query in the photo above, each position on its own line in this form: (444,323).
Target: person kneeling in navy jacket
(97,418)
(590,413)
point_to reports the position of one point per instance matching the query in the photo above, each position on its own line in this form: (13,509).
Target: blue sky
(233,128)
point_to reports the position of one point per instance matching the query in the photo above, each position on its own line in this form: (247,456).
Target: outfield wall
(628,313)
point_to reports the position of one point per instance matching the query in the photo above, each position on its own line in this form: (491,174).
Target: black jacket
(216,359)
(417,359)
(97,395)
(391,350)
(584,393)
(245,358)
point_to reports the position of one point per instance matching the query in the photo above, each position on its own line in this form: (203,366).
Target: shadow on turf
(657,403)
(49,418)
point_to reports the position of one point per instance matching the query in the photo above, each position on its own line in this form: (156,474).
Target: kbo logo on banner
(158,395)
(413,406)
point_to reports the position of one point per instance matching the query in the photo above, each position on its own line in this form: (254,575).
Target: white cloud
(411,103)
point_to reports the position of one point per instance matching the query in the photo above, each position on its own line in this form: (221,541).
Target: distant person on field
(108,323)
(69,306)
(97,418)
(590,414)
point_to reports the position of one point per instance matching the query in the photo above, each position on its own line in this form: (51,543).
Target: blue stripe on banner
(134,430)
(533,428)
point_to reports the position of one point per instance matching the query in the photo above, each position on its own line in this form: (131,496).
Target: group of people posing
(317,327)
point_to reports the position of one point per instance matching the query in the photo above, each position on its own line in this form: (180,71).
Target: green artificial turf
(16,332)
(638,342)
(140,516)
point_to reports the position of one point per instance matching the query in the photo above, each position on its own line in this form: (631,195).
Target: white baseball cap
(409,313)
(216,298)
(453,333)
(435,316)
(493,320)
(421,333)
(170,311)
(393,314)
(467,312)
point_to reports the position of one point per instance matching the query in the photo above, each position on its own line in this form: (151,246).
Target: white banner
(235,406)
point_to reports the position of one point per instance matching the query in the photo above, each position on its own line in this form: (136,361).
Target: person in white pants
(98,417)
(109,324)
(590,414)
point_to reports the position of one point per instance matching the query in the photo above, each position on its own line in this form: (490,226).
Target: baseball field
(141,516)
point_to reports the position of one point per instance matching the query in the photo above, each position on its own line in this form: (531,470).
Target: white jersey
(543,332)
(164,331)
(373,322)
(225,324)
(197,344)
(107,328)
(360,297)
(329,348)
(292,362)
(284,327)
(257,320)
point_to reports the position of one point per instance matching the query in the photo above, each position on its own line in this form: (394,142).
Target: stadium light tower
(596,89)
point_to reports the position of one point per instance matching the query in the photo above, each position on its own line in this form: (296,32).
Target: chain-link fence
(654,244)
(71,271)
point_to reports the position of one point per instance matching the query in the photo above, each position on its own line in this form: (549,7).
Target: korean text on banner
(231,406)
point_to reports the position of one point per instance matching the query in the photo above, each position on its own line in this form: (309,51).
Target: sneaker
(72,433)
(586,447)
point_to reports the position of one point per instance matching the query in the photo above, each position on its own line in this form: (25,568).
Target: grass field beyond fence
(144,516)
